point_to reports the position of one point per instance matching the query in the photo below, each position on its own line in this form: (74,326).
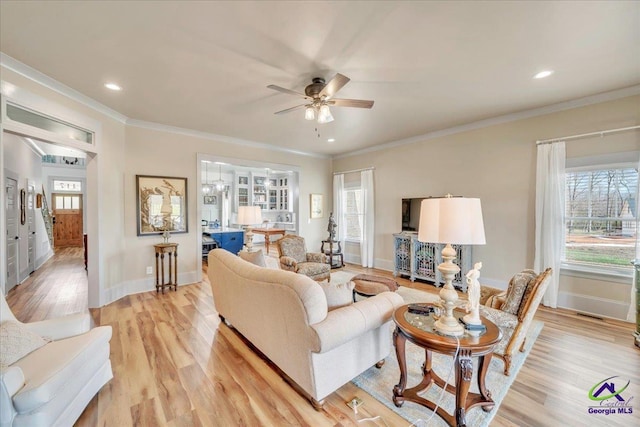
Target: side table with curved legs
(418,329)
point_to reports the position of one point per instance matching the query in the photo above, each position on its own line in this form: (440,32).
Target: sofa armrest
(11,380)
(344,324)
(316,257)
(61,327)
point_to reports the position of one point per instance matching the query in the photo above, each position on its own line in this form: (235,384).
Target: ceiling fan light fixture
(309,113)
(324,116)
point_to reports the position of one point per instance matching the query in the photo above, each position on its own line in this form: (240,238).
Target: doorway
(67,220)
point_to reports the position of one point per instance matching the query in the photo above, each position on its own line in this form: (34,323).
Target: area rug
(380,382)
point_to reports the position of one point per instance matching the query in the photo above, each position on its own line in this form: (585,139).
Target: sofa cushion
(517,287)
(48,369)
(256,257)
(338,294)
(17,342)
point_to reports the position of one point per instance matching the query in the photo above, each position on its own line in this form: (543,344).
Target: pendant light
(205,187)
(219,183)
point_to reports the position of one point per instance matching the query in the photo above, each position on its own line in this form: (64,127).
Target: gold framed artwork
(317,208)
(161,204)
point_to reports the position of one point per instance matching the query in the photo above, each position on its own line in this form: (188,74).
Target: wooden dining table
(267,233)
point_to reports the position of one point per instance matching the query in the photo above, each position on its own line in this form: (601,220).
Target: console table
(419,260)
(331,253)
(169,249)
(418,329)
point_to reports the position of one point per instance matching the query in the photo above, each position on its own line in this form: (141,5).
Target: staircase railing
(46,216)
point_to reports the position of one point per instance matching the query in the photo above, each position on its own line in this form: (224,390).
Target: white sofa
(52,385)
(285,316)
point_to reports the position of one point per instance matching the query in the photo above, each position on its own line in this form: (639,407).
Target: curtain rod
(584,135)
(354,170)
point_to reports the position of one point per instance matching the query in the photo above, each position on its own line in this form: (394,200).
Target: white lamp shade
(455,220)
(249,215)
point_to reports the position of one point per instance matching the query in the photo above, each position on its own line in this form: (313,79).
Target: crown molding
(30,73)
(541,111)
(219,138)
(24,70)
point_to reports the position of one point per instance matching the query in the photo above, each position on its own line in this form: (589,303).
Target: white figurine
(473,292)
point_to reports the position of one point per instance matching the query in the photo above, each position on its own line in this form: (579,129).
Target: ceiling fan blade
(334,85)
(357,103)
(287,91)
(297,107)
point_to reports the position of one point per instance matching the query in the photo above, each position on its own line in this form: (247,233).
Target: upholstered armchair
(294,257)
(65,365)
(513,310)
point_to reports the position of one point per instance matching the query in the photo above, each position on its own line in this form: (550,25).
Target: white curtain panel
(550,206)
(338,208)
(631,314)
(368,227)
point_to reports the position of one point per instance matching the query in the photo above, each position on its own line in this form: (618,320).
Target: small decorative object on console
(473,291)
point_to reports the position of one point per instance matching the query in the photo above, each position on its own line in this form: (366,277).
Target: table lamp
(249,215)
(450,220)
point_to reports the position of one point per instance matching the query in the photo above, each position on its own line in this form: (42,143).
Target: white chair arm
(61,327)
(344,324)
(11,380)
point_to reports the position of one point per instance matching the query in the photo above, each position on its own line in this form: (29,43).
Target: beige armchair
(513,310)
(294,257)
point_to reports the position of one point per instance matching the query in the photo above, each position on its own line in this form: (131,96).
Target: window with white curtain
(601,217)
(353,213)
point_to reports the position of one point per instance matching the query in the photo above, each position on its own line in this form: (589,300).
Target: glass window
(601,217)
(49,124)
(353,213)
(60,185)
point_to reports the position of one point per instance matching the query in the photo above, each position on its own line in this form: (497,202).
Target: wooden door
(11,218)
(67,226)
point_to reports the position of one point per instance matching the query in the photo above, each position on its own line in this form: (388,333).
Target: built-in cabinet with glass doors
(271,193)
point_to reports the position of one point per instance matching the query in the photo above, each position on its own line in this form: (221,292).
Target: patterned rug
(379,382)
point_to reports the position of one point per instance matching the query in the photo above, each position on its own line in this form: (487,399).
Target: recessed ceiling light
(112,86)
(543,74)
(331,140)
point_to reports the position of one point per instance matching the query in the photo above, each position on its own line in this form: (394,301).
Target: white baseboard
(494,283)
(384,264)
(352,259)
(601,307)
(142,285)
(44,258)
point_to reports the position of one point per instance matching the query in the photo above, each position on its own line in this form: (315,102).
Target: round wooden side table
(418,329)
(169,249)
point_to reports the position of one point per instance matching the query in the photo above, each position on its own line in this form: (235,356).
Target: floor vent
(589,315)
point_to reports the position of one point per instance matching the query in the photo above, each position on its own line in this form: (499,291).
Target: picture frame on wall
(316,206)
(161,204)
(210,200)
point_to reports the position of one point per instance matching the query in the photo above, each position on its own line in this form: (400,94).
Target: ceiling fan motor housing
(314,89)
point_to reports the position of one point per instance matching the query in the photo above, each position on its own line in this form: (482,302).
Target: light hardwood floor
(175,365)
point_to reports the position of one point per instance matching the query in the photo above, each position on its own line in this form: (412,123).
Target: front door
(67,226)
(11,211)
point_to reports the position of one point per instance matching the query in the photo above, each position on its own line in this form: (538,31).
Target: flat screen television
(411,213)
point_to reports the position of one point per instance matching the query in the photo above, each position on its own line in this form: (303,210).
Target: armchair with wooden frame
(513,310)
(294,257)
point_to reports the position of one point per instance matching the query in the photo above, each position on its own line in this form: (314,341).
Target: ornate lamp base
(447,324)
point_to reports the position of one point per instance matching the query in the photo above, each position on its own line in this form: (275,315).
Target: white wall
(496,164)
(19,158)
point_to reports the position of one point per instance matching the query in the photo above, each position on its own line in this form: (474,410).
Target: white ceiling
(428,65)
